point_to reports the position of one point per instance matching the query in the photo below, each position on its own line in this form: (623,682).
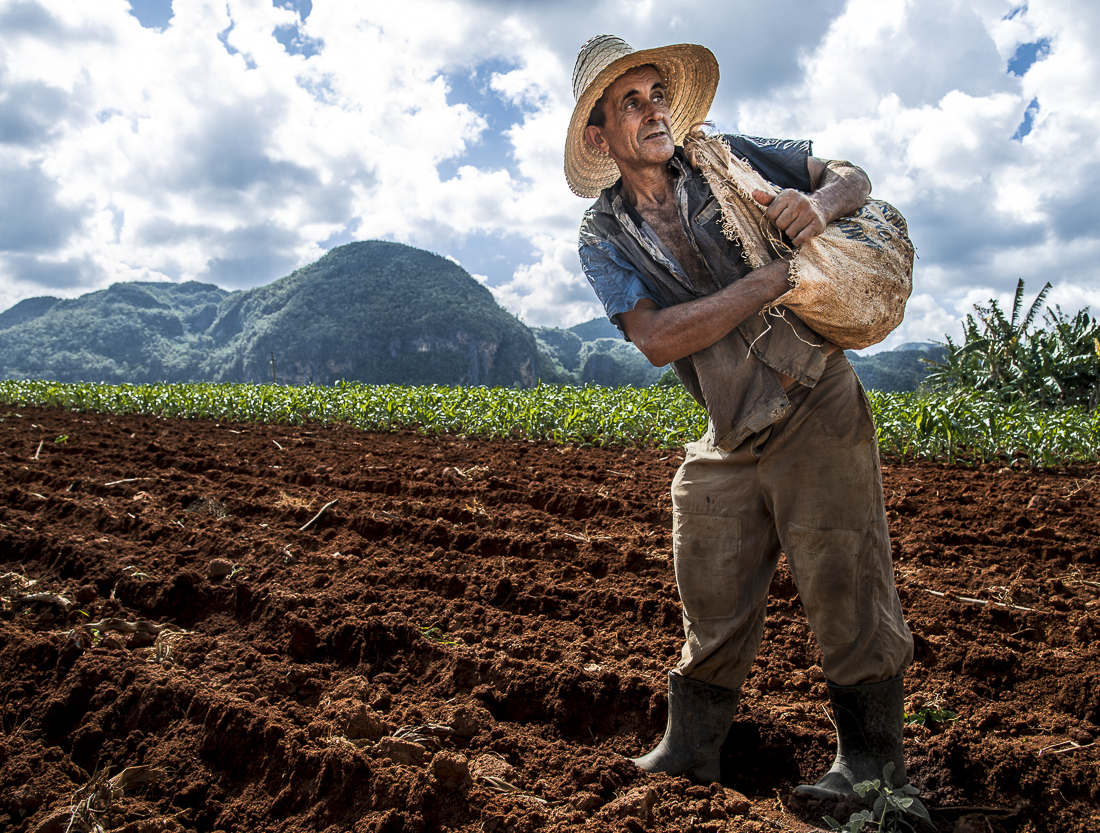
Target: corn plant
(964,427)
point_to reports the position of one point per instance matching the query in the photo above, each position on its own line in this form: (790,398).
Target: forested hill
(374,312)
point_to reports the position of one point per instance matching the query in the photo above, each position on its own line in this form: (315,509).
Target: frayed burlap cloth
(850,283)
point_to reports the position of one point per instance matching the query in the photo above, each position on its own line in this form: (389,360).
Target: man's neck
(648,188)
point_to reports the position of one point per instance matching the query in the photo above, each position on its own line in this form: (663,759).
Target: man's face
(637,130)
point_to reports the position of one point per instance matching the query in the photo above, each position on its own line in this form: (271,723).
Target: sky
(233,141)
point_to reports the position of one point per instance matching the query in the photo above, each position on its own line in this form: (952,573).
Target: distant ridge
(372,311)
(595,352)
(26,310)
(900,370)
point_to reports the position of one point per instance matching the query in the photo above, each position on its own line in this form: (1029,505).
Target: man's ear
(593,137)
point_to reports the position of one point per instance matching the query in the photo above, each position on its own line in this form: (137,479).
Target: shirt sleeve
(783,162)
(618,284)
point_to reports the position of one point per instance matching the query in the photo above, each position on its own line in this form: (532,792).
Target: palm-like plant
(1058,364)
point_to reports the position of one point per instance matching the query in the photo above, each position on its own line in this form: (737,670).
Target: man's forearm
(843,189)
(664,335)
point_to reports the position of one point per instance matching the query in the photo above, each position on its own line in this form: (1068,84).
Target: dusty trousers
(810,487)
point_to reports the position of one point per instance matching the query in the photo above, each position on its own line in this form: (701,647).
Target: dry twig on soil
(14,581)
(314,519)
(138,626)
(95,797)
(429,734)
(472,473)
(164,648)
(501,786)
(1064,746)
(958,598)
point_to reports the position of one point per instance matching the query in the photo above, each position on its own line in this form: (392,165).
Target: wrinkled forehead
(643,77)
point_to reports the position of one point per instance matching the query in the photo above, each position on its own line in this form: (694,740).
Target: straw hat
(690,73)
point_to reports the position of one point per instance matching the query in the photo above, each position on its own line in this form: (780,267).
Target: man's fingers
(804,236)
(783,214)
(808,232)
(762,197)
(797,226)
(783,208)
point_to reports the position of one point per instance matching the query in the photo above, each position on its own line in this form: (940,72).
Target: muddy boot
(869,722)
(699,718)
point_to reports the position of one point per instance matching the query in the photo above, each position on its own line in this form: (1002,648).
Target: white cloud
(206,150)
(551,292)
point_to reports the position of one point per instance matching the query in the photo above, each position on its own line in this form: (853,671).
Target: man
(789,463)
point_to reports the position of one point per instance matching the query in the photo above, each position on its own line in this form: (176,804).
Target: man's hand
(794,213)
(839,188)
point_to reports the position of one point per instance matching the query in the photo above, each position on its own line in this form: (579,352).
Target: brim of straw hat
(690,73)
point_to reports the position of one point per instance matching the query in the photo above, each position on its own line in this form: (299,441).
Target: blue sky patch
(223,36)
(493,151)
(1029,119)
(152,14)
(494,255)
(303,7)
(295,43)
(1027,54)
(291,37)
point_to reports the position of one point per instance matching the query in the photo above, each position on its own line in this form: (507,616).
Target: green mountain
(25,310)
(899,370)
(373,312)
(130,332)
(596,353)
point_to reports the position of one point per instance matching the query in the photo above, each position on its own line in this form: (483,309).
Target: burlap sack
(850,283)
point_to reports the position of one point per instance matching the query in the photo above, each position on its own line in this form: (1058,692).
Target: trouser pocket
(706,554)
(825,567)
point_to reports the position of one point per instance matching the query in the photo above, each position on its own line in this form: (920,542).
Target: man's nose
(653,111)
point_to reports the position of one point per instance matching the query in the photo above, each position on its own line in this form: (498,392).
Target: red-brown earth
(474,635)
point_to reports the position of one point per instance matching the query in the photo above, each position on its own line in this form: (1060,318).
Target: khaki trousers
(809,486)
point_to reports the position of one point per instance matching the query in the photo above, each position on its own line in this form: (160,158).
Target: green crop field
(957,427)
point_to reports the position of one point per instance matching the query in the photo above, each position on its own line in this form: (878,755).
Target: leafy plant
(892,808)
(668,379)
(930,713)
(1058,364)
(64,438)
(436,635)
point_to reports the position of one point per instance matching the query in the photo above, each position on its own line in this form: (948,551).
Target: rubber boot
(869,722)
(699,718)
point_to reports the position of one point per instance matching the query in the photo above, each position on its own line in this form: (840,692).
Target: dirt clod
(401,751)
(219,568)
(638,804)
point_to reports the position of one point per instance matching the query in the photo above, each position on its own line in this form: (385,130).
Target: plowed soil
(473,636)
